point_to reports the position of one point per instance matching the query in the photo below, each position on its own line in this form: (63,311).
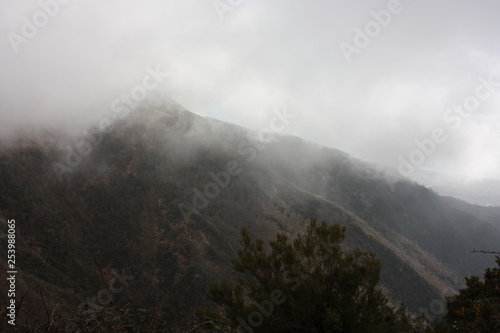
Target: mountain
(146,213)
(481,191)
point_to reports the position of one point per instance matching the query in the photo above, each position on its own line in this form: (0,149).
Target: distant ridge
(483,191)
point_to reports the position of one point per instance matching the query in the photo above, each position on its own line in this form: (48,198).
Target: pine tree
(477,307)
(309,284)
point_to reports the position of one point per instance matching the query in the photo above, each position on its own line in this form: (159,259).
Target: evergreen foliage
(309,284)
(477,307)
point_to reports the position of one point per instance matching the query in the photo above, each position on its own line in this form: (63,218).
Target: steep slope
(389,203)
(488,214)
(162,196)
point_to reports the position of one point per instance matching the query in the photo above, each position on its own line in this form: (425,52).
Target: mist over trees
(118,209)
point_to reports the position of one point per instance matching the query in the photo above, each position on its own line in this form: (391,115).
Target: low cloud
(390,94)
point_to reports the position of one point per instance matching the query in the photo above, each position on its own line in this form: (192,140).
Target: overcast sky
(371,94)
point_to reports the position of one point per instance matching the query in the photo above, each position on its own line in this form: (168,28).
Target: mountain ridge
(119,208)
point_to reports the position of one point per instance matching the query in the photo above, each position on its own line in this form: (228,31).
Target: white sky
(269,53)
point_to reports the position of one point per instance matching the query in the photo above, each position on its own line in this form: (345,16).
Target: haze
(237,60)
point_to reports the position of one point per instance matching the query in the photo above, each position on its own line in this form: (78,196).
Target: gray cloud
(263,54)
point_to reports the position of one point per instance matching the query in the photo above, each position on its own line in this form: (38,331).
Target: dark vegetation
(118,211)
(477,307)
(308,284)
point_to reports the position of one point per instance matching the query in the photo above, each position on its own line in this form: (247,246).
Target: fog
(371,93)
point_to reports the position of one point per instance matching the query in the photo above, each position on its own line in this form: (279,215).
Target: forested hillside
(153,210)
